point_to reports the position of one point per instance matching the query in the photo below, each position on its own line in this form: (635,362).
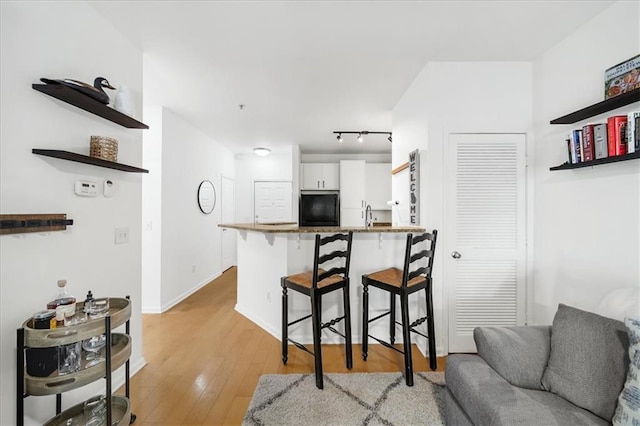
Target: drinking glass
(98,308)
(93,346)
(95,411)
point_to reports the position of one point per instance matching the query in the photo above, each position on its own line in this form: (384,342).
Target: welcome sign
(414,187)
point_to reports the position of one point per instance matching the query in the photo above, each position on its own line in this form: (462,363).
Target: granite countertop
(293,228)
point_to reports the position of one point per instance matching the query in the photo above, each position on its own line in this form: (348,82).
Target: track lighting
(360,133)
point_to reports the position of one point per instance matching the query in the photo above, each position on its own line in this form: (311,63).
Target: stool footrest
(301,346)
(386,344)
(418,322)
(380,316)
(299,320)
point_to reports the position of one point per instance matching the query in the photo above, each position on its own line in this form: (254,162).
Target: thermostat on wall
(86,189)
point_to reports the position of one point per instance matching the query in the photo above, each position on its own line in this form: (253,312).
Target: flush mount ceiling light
(360,133)
(262,152)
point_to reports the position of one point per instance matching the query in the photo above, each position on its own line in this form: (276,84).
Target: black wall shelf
(616,159)
(600,108)
(75,98)
(79,158)
(23,223)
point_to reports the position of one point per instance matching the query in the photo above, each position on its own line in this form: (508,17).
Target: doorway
(485,243)
(272,201)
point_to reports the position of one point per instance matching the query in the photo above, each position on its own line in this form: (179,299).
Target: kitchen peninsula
(267,252)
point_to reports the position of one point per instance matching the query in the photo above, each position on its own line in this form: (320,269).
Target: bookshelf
(591,111)
(79,158)
(599,108)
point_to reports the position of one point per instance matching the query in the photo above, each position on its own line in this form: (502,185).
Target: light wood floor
(205,359)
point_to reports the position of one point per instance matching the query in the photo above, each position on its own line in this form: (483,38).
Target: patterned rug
(347,399)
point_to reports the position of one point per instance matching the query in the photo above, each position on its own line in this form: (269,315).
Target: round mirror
(206,196)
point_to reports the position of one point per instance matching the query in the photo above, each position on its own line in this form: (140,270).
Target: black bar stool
(403,283)
(315,284)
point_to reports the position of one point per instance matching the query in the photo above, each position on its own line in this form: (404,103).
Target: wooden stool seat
(393,277)
(305,279)
(315,284)
(402,283)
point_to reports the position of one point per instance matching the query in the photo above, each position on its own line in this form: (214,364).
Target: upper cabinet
(320,176)
(378,185)
(352,184)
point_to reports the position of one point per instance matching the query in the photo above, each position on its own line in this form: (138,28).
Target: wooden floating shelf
(600,108)
(79,158)
(24,223)
(616,159)
(77,99)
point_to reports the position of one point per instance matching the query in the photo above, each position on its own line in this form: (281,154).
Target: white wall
(279,165)
(152,211)
(190,241)
(63,40)
(449,97)
(586,220)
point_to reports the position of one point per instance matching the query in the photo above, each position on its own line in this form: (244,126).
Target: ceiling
(303,69)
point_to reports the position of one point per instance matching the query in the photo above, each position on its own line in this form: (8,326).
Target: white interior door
(272,202)
(485,247)
(227,200)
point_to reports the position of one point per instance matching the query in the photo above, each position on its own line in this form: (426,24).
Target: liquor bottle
(63,303)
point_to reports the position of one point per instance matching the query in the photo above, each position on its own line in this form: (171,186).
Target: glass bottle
(63,303)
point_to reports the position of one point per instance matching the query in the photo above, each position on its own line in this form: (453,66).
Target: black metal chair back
(411,256)
(319,259)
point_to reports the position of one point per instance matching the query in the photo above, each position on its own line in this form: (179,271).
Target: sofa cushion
(519,354)
(488,399)
(588,360)
(628,410)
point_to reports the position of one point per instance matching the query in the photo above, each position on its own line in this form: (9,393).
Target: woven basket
(104,148)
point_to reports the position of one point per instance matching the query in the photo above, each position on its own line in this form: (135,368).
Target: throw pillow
(628,410)
(588,360)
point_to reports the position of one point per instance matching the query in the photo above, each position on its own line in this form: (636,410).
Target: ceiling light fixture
(262,152)
(360,133)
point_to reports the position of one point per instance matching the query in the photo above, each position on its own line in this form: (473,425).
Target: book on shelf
(617,135)
(633,132)
(574,139)
(587,143)
(600,141)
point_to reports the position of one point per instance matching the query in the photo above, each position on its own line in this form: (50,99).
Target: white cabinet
(378,185)
(352,192)
(320,176)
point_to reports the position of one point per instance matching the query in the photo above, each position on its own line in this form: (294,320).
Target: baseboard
(179,298)
(261,324)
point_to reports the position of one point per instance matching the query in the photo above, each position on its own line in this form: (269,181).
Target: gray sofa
(569,373)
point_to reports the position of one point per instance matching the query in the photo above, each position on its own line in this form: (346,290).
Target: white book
(631,147)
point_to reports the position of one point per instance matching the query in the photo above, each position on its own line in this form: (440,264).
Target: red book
(589,144)
(616,132)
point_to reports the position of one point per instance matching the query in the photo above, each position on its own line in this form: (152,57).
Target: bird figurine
(96,91)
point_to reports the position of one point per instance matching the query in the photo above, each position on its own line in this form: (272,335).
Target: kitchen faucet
(368,216)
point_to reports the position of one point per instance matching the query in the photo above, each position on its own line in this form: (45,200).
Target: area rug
(347,399)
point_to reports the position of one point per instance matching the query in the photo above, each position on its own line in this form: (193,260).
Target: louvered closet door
(485,248)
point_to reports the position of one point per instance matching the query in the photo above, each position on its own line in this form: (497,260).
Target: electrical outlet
(193,268)
(121,235)
(269,296)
